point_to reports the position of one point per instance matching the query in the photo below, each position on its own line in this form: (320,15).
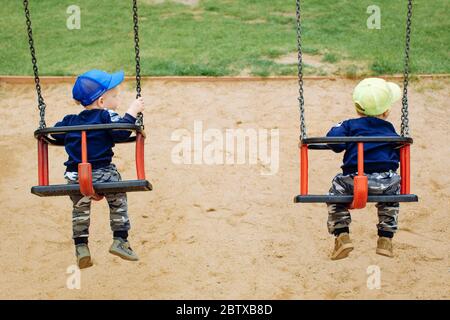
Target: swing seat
(349,199)
(86,186)
(361,196)
(100,188)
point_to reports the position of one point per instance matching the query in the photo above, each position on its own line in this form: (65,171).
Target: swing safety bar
(360,195)
(86,186)
(85,172)
(43,133)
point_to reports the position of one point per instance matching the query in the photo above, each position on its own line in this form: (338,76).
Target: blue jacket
(378,157)
(100,143)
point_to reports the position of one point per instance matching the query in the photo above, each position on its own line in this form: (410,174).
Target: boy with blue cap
(373,99)
(97,91)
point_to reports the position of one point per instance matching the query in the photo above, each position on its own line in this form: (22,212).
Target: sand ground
(224,231)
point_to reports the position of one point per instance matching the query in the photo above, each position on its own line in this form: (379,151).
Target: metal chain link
(405,114)
(41,103)
(140,117)
(301,99)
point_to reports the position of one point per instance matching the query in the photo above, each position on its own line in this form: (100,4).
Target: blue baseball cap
(93,84)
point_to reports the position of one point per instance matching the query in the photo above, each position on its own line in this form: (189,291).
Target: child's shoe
(121,248)
(384,247)
(83,256)
(342,246)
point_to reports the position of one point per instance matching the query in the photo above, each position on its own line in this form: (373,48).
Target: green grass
(223,37)
(330,58)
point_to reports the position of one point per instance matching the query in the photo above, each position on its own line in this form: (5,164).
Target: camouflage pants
(117,202)
(379,183)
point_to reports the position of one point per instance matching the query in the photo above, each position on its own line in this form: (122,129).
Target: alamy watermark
(74,279)
(374,20)
(229,146)
(74,19)
(374,277)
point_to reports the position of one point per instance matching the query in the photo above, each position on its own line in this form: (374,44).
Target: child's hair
(359,109)
(361,114)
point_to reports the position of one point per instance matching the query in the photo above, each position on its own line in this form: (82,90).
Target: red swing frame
(86,185)
(360,193)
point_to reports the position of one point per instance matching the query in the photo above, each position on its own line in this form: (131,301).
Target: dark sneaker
(342,247)
(121,248)
(83,256)
(384,247)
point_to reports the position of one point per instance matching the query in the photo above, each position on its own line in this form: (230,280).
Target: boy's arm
(339,130)
(61,136)
(135,108)
(120,135)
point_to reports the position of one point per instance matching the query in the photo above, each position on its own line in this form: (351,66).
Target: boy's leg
(118,208)
(120,224)
(387,226)
(80,224)
(339,217)
(80,213)
(118,213)
(386,183)
(81,218)
(387,218)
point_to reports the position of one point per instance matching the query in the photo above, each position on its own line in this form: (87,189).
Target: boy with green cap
(97,92)
(373,99)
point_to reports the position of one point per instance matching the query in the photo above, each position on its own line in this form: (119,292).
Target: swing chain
(301,98)
(405,120)
(41,103)
(140,116)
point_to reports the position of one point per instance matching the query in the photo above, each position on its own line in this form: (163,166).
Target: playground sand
(224,231)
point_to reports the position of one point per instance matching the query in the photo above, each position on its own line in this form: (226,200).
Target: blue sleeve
(339,130)
(61,136)
(119,135)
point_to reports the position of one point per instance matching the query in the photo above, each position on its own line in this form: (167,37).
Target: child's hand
(136,106)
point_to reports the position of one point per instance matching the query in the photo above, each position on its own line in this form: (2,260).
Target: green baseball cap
(374,96)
